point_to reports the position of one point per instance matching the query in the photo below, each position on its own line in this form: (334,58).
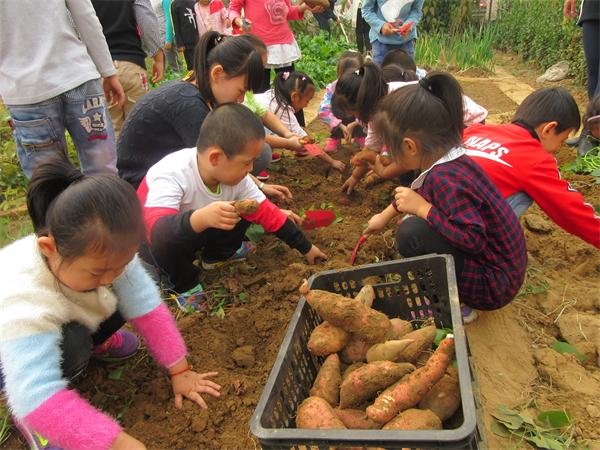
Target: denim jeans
(380,49)
(519,202)
(39,129)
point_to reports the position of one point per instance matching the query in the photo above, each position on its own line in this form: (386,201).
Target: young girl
(452,207)
(69,287)
(291,92)
(211,15)
(359,92)
(347,127)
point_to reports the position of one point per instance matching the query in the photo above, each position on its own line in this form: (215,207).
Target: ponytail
(287,82)
(101,212)
(430,111)
(395,72)
(238,55)
(360,90)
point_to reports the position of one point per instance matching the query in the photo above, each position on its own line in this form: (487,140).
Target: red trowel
(361,241)
(318,218)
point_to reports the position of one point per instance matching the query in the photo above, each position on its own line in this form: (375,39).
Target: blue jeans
(380,49)
(519,202)
(39,129)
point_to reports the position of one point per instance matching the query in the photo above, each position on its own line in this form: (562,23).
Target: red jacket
(516,162)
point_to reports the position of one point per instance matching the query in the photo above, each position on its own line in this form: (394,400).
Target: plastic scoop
(361,241)
(405,27)
(313,149)
(318,218)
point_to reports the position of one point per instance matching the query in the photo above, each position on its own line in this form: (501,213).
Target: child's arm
(296,12)
(235,10)
(168,24)
(369,13)
(336,164)
(387,172)
(291,143)
(325,113)
(274,123)
(416,13)
(150,35)
(357,174)
(379,221)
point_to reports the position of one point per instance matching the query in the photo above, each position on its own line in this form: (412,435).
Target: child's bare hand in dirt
(315,254)
(338,165)
(410,202)
(376,224)
(124,441)
(350,184)
(191,384)
(378,167)
(293,216)
(277,192)
(222,215)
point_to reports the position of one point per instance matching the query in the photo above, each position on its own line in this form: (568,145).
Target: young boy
(188,195)
(185,29)
(518,159)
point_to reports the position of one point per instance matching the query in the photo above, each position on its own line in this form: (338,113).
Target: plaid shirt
(470,213)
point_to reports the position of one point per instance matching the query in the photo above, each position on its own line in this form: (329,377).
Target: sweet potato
(351,368)
(356,419)
(387,351)
(422,340)
(327,383)
(364,157)
(350,315)
(444,397)
(422,358)
(400,328)
(246,207)
(316,413)
(414,419)
(365,382)
(411,389)
(366,295)
(355,350)
(327,339)
(307,139)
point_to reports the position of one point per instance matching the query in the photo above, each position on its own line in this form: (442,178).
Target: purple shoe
(468,314)
(121,345)
(33,439)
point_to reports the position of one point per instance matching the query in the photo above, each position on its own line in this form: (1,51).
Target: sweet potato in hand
(327,339)
(316,413)
(246,207)
(414,419)
(327,383)
(411,389)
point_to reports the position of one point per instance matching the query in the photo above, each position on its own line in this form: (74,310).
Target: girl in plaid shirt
(452,207)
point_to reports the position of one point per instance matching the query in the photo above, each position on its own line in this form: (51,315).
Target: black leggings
(415,237)
(188,54)
(591,48)
(266,84)
(362,33)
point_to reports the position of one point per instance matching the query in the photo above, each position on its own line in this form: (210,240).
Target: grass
(5,423)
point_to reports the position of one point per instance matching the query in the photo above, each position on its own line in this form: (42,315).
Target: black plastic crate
(412,289)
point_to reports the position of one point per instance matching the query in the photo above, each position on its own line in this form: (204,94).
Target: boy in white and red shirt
(518,159)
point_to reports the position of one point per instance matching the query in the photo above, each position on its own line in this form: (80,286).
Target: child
(358,93)
(518,159)
(211,15)
(185,29)
(395,72)
(403,59)
(347,127)
(452,207)
(188,195)
(70,286)
(291,92)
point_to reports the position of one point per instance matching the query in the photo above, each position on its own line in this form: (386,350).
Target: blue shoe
(468,314)
(240,255)
(191,301)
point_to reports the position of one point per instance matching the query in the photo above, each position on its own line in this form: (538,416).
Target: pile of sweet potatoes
(378,372)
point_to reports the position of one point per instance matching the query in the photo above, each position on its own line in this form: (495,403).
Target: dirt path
(510,347)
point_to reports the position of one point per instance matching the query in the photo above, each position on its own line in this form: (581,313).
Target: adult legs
(591,48)
(134,80)
(380,49)
(362,33)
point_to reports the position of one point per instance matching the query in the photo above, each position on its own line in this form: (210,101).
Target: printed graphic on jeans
(277,11)
(94,124)
(392,10)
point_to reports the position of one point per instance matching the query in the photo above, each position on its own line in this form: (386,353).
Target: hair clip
(357,72)
(425,84)
(219,38)
(285,75)
(303,78)
(593,118)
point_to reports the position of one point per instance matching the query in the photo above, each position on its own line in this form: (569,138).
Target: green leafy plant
(533,284)
(589,164)
(566,348)
(5,425)
(320,54)
(547,429)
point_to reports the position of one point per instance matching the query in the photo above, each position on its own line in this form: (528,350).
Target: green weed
(588,164)
(533,284)
(5,424)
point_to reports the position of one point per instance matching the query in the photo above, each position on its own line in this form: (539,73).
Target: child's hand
(350,184)
(378,167)
(277,192)
(350,129)
(344,129)
(295,144)
(376,224)
(293,217)
(220,215)
(410,202)
(388,29)
(124,441)
(168,46)
(338,165)
(191,384)
(314,254)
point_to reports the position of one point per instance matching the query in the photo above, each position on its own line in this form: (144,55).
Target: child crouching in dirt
(188,200)
(518,158)
(452,206)
(66,292)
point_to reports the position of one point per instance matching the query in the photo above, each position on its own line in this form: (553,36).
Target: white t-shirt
(174,182)
(286,115)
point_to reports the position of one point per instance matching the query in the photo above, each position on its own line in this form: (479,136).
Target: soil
(510,347)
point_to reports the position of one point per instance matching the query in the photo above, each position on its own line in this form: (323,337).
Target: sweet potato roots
(327,383)
(414,419)
(326,339)
(356,419)
(316,413)
(444,397)
(411,389)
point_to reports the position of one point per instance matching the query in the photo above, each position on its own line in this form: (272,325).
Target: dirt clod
(244,356)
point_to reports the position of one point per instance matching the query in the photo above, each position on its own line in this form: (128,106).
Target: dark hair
(230,126)
(360,89)
(287,82)
(349,60)
(593,108)
(395,72)
(99,212)
(399,57)
(430,112)
(237,54)
(548,105)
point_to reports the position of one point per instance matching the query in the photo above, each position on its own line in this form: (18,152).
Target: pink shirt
(211,17)
(269,18)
